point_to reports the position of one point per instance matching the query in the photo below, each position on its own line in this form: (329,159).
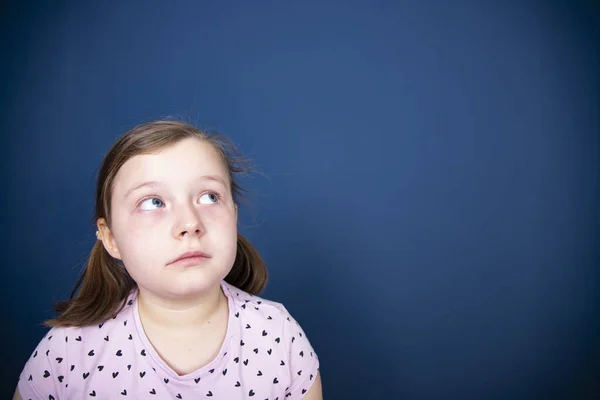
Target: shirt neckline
(202,371)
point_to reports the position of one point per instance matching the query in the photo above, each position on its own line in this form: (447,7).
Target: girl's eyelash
(142,200)
(217,195)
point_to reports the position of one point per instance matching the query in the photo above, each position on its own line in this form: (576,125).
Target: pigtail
(105,285)
(249,272)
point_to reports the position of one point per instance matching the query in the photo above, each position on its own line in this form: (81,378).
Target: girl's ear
(107,238)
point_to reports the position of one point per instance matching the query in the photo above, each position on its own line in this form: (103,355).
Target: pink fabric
(265,355)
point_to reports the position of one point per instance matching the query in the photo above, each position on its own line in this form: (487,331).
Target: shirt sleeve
(45,372)
(302,359)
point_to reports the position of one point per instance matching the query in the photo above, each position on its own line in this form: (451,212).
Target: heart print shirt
(265,355)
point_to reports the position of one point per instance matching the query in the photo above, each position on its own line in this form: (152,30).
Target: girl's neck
(180,315)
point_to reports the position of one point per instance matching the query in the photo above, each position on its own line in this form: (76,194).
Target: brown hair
(104,283)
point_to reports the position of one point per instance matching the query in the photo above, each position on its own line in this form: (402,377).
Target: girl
(167,306)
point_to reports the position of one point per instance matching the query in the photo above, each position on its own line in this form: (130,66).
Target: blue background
(429,209)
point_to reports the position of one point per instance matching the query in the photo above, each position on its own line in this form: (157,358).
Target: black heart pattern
(209,393)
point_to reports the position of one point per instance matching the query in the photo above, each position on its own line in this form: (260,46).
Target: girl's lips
(190,257)
(189,261)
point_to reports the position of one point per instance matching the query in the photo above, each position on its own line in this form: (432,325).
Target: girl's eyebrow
(141,185)
(213,178)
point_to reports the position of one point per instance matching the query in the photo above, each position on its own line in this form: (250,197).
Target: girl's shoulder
(65,350)
(258,308)
(269,331)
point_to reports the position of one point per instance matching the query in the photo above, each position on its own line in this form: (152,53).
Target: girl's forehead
(182,162)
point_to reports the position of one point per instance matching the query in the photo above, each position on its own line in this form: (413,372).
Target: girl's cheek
(221,215)
(145,219)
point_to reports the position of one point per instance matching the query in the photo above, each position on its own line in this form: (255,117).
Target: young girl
(167,306)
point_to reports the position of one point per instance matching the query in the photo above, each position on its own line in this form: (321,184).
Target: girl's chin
(178,288)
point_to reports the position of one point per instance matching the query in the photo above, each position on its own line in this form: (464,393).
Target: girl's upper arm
(43,363)
(303,362)
(17,395)
(315,392)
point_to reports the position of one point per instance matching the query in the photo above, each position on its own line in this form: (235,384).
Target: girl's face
(166,204)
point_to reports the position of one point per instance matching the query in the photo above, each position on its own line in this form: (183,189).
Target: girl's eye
(151,202)
(209,198)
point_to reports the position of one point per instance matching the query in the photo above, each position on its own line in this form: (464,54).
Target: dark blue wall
(431,213)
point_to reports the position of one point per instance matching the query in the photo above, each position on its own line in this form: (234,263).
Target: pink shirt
(265,355)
